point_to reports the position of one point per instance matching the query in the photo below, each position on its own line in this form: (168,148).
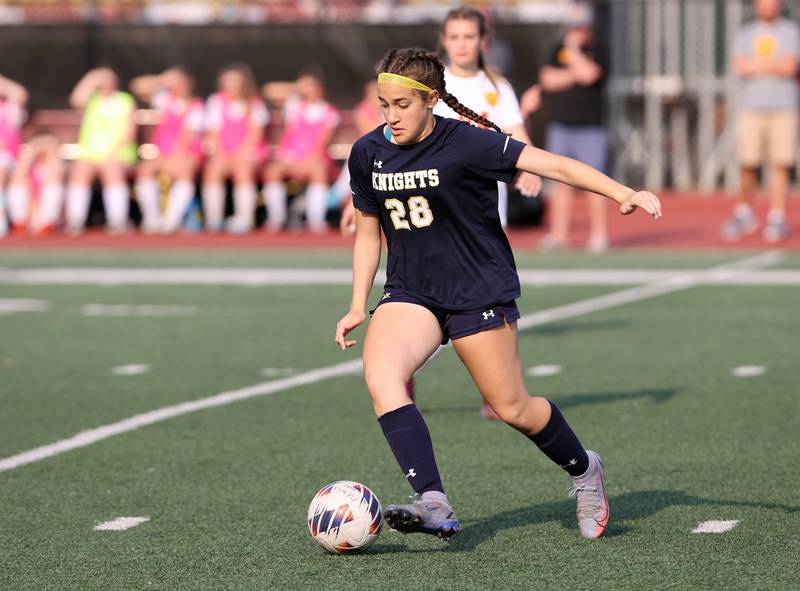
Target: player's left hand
(644,199)
(528,184)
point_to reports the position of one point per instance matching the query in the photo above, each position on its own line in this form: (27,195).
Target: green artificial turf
(648,385)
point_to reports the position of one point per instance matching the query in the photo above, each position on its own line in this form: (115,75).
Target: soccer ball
(345,517)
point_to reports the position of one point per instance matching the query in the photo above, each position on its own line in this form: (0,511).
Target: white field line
(749,371)
(715,527)
(120,523)
(91,436)
(253,277)
(8,306)
(650,290)
(140,310)
(131,369)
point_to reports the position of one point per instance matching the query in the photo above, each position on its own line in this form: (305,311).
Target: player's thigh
(216,168)
(82,172)
(244,169)
(276,171)
(400,338)
(148,168)
(782,138)
(113,173)
(492,359)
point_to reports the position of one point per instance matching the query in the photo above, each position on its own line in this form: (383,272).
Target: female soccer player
(35,193)
(464,38)
(179,143)
(303,149)
(13,98)
(235,120)
(431,184)
(107,148)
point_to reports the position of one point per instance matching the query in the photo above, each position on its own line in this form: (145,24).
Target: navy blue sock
(560,444)
(408,436)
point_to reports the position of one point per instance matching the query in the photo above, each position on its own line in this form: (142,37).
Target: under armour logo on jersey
(411,473)
(572,462)
(386,296)
(379,164)
(489,314)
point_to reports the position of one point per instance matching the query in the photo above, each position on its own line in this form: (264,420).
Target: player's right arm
(366,257)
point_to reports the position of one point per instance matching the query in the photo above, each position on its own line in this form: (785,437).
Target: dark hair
(469,13)
(426,67)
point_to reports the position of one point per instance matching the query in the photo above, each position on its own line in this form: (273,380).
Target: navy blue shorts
(456,325)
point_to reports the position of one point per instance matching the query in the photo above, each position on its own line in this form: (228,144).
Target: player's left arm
(583,176)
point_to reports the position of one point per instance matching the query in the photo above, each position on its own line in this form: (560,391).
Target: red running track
(689,222)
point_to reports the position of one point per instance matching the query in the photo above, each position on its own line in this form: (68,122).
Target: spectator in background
(35,194)
(235,121)
(13,98)
(106,148)
(766,59)
(303,150)
(367,117)
(179,146)
(573,81)
(477,86)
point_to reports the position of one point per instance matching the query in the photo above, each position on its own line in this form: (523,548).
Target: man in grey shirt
(766,61)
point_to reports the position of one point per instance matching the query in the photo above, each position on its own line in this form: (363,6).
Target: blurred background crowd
(237,115)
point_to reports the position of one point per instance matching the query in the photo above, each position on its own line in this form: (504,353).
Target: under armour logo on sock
(411,473)
(572,462)
(489,314)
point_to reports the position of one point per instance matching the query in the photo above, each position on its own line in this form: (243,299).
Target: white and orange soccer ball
(345,517)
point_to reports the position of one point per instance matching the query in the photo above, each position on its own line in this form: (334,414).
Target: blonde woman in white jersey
(464,37)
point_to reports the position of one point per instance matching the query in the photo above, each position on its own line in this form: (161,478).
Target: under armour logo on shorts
(489,314)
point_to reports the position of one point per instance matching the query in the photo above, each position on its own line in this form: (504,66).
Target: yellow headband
(386,78)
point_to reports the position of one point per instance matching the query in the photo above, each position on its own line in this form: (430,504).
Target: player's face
(768,9)
(107,81)
(232,84)
(462,41)
(309,88)
(178,83)
(408,115)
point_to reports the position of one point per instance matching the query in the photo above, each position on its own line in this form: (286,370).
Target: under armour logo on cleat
(411,473)
(489,314)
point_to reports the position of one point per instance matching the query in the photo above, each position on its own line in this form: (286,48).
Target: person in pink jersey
(235,121)
(13,98)
(36,193)
(302,153)
(178,147)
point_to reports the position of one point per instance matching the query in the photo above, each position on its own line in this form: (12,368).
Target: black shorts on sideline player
(456,325)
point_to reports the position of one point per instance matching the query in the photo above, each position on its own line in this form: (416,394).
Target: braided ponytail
(426,67)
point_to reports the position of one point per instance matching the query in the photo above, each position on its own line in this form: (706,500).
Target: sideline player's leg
(400,337)
(492,359)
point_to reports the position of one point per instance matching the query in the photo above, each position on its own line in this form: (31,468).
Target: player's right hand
(347,225)
(350,321)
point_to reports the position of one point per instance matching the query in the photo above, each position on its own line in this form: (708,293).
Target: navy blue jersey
(437,202)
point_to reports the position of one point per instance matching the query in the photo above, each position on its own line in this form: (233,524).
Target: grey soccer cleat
(429,513)
(590,490)
(741,223)
(776,230)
